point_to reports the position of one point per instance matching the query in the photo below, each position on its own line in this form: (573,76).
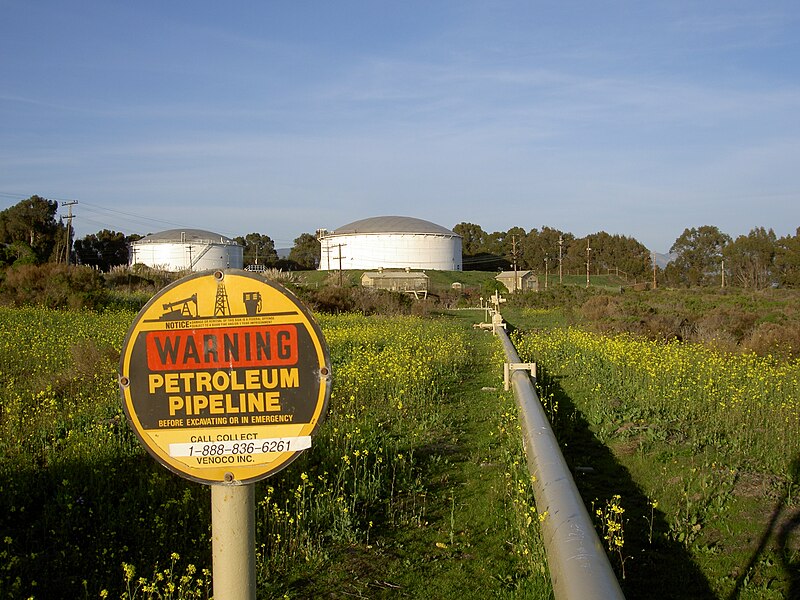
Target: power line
(138,217)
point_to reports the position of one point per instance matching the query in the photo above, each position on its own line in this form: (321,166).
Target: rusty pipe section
(579,566)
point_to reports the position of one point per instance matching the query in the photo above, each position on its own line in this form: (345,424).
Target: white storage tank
(390,243)
(187,250)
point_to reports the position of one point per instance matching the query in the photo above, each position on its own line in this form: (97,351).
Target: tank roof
(186,235)
(392,224)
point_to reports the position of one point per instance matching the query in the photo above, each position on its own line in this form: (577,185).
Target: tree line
(30,233)
(701,256)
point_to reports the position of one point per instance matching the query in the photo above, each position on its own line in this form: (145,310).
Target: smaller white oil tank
(187,250)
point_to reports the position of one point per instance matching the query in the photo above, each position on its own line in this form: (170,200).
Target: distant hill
(283,252)
(662,260)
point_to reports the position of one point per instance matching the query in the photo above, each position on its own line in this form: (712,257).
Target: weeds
(682,389)
(78,492)
(612,527)
(710,440)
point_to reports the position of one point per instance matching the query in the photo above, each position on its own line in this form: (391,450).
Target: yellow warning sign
(224,377)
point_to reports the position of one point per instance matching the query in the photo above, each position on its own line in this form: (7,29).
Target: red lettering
(227,347)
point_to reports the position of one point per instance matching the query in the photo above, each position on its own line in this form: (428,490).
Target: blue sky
(634,118)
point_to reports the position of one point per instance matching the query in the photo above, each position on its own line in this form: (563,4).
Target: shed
(409,282)
(525,281)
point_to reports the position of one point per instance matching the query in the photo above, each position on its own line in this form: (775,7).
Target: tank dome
(390,242)
(187,250)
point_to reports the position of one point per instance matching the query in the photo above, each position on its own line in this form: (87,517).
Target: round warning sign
(224,377)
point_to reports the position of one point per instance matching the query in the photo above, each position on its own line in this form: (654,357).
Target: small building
(524,281)
(407,282)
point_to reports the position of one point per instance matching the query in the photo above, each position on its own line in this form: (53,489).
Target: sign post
(233,541)
(224,377)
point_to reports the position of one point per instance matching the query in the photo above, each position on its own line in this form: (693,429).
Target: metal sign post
(233,541)
(224,377)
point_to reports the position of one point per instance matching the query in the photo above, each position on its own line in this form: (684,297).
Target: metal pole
(654,271)
(545,272)
(560,245)
(71,203)
(579,566)
(587,261)
(233,545)
(514,256)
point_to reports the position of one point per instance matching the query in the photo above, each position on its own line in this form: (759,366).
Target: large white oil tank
(390,243)
(187,250)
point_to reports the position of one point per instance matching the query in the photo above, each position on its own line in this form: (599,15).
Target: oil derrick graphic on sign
(180,309)
(187,308)
(221,306)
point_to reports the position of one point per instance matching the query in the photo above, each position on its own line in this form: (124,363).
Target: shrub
(336,300)
(779,340)
(662,327)
(723,322)
(601,308)
(53,286)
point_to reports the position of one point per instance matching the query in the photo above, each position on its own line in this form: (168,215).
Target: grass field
(415,484)
(701,447)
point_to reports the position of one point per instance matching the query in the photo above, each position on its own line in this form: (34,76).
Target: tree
(787,260)
(538,245)
(29,231)
(612,253)
(306,251)
(698,259)
(751,258)
(494,243)
(104,249)
(473,238)
(481,251)
(511,245)
(575,255)
(259,249)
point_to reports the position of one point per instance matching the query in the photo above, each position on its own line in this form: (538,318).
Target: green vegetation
(701,256)
(677,409)
(415,484)
(765,322)
(700,449)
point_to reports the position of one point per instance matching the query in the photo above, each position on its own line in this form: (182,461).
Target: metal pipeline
(579,566)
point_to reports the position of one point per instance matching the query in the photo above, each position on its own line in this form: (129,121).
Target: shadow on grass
(68,527)
(655,566)
(782,524)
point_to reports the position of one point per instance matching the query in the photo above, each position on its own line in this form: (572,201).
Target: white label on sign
(258,446)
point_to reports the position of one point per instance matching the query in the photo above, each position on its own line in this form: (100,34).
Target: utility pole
(546,258)
(655,284)
(588,250)
(340,263)
(514,257)
(560,247)
(723,272)
(70,204)
(327,251)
